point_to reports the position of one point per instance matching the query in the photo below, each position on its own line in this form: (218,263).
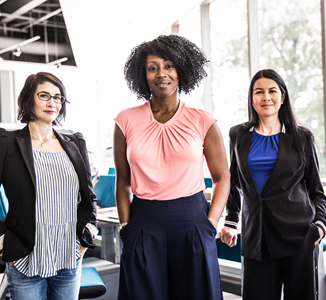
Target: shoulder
(196,111)
(132,111)
(198,117)
(237,130)
(79,136)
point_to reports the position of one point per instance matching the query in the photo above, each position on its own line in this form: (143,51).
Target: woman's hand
(82,251)
(321,234)
(229,236)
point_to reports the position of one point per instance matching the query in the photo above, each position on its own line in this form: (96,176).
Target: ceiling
(21,20)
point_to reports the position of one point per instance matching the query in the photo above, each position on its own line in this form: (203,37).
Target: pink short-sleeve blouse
(166,160)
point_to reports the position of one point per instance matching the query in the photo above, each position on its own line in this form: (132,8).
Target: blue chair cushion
(91,285)
(105,191)
(3,203)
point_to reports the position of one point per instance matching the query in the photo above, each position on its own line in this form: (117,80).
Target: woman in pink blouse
(167,228)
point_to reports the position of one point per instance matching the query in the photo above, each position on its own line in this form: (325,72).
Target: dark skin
(163,80)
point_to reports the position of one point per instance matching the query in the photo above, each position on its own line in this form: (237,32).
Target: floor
(227,296)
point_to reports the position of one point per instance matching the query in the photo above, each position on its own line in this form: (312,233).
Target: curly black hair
(188,59)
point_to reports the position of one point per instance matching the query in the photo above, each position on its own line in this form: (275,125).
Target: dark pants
(298,273)
(169,252)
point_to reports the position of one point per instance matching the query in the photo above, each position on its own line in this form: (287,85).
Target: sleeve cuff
(93,230)
(322,226)
(231,224)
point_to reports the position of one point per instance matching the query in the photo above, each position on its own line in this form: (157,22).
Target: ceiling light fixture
(17,52)
(16,46)
(57,62)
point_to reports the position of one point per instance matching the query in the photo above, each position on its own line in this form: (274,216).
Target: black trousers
(169,252)
(263,279)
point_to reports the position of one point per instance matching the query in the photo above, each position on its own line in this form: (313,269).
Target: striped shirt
(56,244)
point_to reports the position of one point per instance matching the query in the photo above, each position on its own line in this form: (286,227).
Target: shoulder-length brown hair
(26,103)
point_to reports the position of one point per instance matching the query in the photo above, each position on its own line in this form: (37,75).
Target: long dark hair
(285,114)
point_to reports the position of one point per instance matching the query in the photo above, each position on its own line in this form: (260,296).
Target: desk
(108,221)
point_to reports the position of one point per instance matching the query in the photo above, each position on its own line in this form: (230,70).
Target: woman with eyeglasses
(52,209)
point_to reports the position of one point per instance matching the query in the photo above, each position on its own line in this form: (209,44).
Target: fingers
(229,236)
(82,251)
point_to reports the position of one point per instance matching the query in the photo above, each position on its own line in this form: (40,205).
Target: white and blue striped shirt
(56,244)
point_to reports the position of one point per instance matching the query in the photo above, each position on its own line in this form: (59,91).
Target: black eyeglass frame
(63,99)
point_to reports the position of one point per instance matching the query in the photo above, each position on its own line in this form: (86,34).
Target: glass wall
(190,28)
(290,35)
(229,63)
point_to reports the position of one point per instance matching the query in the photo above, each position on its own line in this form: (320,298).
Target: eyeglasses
(44,96)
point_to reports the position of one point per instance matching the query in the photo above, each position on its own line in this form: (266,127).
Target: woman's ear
(282,99)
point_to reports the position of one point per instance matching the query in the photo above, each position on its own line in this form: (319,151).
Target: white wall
(102,34)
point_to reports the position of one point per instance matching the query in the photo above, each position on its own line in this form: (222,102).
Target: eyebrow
(49,93)
(273,87)
(154,61)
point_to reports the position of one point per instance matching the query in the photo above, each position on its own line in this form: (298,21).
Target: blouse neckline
(275,134)
(48,151)
(169,122)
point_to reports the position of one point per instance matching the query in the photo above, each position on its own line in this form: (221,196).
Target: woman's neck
(164,109)
(41,132)
(165,105)
(268,127)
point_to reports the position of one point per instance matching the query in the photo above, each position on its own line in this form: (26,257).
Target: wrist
(321,226)
(122,225)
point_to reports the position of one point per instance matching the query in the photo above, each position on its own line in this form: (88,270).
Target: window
(290,34)
(229,62)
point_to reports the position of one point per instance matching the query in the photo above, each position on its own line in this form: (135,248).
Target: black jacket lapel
(25,145)
(243,152)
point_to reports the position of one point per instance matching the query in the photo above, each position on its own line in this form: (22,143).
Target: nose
(51,102)
(161,73)
(266,96)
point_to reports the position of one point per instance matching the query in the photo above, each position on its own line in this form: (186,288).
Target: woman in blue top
(274,167)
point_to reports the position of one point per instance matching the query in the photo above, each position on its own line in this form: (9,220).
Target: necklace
(42,143)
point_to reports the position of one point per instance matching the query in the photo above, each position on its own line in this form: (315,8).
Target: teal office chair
(3,203)
(91,285)
(208,182)
(111,171)
(105,191)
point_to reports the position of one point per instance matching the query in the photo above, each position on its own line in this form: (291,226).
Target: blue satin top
(262,157)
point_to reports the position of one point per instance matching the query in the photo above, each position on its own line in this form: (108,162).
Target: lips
(162,84)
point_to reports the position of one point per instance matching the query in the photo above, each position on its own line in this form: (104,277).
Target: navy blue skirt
(169,251)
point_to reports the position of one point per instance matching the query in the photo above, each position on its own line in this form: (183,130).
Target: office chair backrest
(105,191)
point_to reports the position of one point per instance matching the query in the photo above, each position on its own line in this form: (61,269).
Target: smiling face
(162,77)
(267,98)
(46,111)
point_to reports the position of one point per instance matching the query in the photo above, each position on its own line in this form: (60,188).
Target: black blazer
(291,201)
(17,175)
